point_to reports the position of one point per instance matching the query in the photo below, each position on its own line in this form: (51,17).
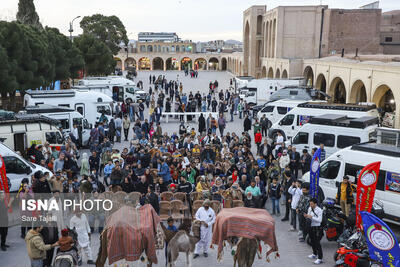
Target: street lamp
(71,28)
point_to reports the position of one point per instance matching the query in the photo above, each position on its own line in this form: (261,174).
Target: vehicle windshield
(105,109)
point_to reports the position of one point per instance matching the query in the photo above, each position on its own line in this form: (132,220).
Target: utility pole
(71,29)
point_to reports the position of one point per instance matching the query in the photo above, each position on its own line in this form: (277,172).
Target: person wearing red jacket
(258,140)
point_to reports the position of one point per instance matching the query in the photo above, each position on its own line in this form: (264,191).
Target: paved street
(292,253)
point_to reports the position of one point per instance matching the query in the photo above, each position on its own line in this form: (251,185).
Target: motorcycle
(354,252)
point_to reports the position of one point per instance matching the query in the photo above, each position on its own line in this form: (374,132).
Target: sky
(196,20)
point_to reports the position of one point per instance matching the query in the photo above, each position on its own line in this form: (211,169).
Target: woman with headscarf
(217,189)
(85,169)
(111,130)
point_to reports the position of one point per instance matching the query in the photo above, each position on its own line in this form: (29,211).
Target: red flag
(366,186)
(4,182)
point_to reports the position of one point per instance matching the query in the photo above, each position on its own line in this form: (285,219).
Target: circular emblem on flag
(380,238)
(315,165)
(368,178)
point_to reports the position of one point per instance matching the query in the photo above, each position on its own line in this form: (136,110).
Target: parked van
(259,91)
(351,160)
(276,110)
(299,93)
(89,104)
(242,81)
(24,130)
(300,115)
(68,118)
(18,168)
(335,132)
(118,88)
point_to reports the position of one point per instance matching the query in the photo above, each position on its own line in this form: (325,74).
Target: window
(105,109)
(345,141)
(282,110)
(268,109)
(330,169)
(287,120)
(60,139)
(251,94)
(300,138)
(86,124)
(63,105)
(354,170)
(64,123)
(292,92)
(15,165)
(51,137)
(326,139)
(80,110)
(388,39)
(77,122)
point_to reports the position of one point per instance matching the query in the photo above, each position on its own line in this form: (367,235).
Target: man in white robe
(206,215)
(82,228)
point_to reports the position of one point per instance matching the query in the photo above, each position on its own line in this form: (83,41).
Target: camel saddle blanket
(245,222)
(130,232)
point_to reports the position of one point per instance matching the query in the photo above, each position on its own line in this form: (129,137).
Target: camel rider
(206,216)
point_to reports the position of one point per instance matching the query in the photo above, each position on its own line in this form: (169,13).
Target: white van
(335,132)
(118,88)
(302,114)
(18,168)
(24,130)
(276,110)
(351,160)
(68,118)
(88,103)
(259,90)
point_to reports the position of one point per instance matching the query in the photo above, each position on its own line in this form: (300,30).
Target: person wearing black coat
(294,162)
(247,124)
(41,185)
(287,182)
(127,185)
(50,236)
(202,123)
(142,185)
(111,130)
(152,199)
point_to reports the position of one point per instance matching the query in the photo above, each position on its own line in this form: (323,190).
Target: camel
(246,250)
(182,241)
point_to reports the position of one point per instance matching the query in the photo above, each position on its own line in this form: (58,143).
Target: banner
(366,186)
(4,181)
(392,182)
(383,246)
(314,173)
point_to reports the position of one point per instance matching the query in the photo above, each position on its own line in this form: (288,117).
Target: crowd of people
(248,163)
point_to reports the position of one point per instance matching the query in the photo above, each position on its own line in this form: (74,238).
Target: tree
(8,81)
(77,62)
(27,14)
(98,57)
(109,29)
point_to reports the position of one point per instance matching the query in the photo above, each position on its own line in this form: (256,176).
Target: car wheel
(128,101)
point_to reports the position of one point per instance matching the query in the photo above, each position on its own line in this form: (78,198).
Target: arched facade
(277,73)
(308,74)
(384,98)
(264,72)
(119,63)
(337,90)
(130,63)
(144,63)
(284,74)
(200,64)
(158,63)
(358,92)
(186,63)
(213,64)
(321,82)
(224,64)
(270,73)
